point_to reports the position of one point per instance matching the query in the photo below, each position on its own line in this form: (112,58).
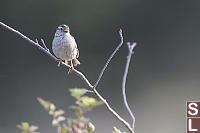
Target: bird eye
(60,28)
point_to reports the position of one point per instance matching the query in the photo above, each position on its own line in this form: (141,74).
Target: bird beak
(66,30)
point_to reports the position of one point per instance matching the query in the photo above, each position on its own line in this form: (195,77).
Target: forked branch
(81,75)
(130,48)
(110,58)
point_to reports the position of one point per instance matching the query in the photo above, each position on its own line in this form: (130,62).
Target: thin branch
(113,112)
(81,75)
(110,58)
(44,50)
(130,48)
(28,40)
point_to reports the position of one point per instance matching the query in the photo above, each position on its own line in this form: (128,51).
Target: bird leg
(71,67)
(59,62)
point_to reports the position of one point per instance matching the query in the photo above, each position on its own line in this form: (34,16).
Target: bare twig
(36,40)
(130,48)
(28,40)
(113,112)
(45,45)
(81,75)
(109,59)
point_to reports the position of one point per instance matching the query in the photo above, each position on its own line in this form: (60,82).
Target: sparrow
(64,46)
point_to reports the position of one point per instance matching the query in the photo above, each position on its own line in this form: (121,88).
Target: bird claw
(70,69)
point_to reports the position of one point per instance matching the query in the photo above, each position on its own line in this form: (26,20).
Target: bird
(65,47)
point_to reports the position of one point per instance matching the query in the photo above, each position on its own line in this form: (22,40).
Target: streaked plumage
(64,45)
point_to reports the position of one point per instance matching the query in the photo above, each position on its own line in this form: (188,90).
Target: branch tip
(110,58)
(36,40)
(130,48)
(120,32)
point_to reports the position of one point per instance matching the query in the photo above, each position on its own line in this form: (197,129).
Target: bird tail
(75,62)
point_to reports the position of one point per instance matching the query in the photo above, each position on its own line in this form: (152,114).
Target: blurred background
(163,74)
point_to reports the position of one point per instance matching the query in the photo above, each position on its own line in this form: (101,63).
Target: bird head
(63,28)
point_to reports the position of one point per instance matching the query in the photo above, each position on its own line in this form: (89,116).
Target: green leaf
(90,127)
(60,118)
(20,127)
(51,112)
(77,92)
(88,102)
(55,122)
(58,113)
(117,130)
(33,128)
(26,128)
(64,130)
(25,125)
(45,104)
(52,107)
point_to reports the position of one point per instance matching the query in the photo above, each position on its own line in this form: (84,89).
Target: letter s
(191,107)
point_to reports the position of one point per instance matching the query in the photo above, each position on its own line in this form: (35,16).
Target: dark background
(163,74)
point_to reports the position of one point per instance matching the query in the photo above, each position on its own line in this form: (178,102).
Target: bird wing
(76,47)
(77,52)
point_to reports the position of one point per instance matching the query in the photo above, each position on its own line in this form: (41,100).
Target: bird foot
(70,69)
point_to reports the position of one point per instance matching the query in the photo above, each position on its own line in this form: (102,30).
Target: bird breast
(64,47)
